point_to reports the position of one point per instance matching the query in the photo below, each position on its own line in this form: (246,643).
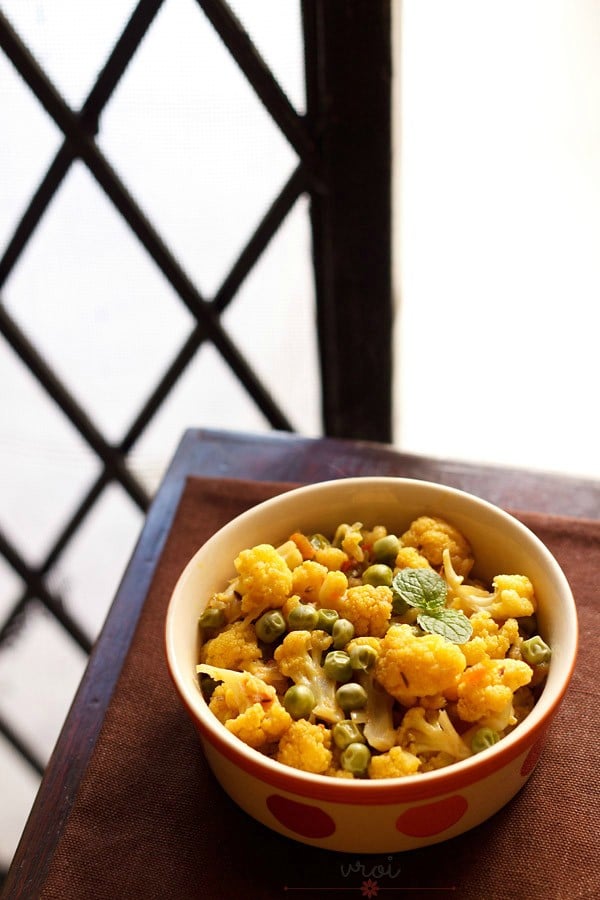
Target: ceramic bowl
(405,813)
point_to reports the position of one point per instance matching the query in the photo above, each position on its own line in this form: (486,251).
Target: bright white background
(497,219)
(498,203)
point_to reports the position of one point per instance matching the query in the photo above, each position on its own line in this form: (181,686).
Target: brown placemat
(150,821)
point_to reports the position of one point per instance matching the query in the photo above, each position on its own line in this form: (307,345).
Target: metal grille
(313,175)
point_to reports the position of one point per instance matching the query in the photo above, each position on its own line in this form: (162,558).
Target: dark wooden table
(273,457)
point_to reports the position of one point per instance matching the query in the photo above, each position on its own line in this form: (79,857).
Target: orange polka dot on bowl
(301,818)
(432,818)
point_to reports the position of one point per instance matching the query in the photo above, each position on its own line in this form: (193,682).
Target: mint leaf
(421,588)
(425,590)
(449,623)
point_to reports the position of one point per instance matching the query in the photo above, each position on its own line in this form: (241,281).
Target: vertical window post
(349,82)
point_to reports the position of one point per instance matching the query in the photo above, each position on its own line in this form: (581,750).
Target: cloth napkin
(150,821)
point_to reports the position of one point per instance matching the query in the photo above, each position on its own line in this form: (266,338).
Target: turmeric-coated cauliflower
(410,558)
(485,691)
(306,746)
(489,639)
(234,648)
(352,540)
(512,596)
(264,579)
(369,608)
(290,553)
(307,580)
(247,706)
(428,734)
(396,763)
(410,666)
(261,724)
(333,558)
(333,589)
(299,658)
(431,535)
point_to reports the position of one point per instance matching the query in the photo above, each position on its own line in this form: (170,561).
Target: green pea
(484,738)
(351,696)
(337,666)
(319,541)
(327,619)
(386,548)
(299,701)
(399,606)
(270,626)
(535,651)
(363,657)
(345,733)
(342,632)
(303,617)
(356,758)
(212,618)
(378,574)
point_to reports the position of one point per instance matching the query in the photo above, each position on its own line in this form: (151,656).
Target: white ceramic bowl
(404,813)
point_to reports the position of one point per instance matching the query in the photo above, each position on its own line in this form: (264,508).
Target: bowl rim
(525,738)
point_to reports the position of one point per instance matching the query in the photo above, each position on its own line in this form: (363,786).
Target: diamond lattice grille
(187,281)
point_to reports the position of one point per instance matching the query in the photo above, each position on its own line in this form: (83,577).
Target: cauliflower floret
(234,648)
(261,724)
(268,671)
(410,558)
(428,735)
(264,579)
(364,641)
(308,579)
(352,542)
(485,692)
(350,538)
(306,746)
(237,648)
(228,602)
(333,558)
(489,639)
(299,658)
(396,763)
(411,666)
(371,535)
(291,553)
(431,535)
(333,589)
(247,706)
(369,608)
(512,595)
